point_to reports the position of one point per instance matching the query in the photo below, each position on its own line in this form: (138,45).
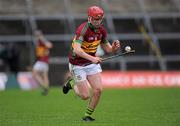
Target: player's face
(96,22)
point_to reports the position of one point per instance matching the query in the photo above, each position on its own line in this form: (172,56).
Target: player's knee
(97,92)
(84,96)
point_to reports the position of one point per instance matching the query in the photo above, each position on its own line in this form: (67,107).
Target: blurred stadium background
(151,27)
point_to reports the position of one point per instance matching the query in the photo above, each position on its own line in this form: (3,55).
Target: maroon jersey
(90,39)
(42,52)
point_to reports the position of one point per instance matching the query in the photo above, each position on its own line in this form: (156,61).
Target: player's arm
(111,48)
(107,46)
(79,51)
(47,43)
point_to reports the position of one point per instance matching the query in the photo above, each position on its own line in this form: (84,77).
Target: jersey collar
(92,27)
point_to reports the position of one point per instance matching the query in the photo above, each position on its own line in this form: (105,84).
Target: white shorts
(41,66)
(80,73)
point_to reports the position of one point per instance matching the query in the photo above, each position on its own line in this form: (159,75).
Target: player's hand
(115,45)
(96,60)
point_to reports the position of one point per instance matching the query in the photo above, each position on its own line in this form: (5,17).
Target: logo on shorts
(78,77)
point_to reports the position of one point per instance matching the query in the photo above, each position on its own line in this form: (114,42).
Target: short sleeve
(104,35)
(80,32)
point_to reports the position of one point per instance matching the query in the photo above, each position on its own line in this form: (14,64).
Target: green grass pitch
(118,107)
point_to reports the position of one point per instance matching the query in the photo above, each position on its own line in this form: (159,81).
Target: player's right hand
(96,60)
